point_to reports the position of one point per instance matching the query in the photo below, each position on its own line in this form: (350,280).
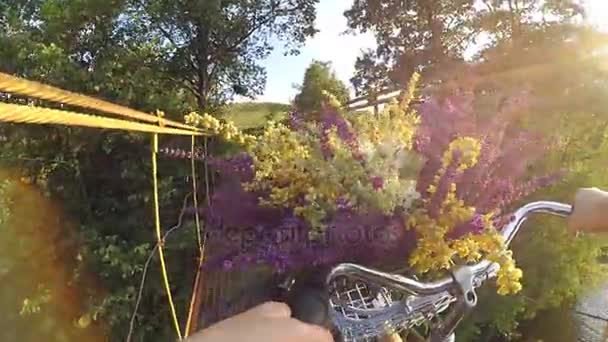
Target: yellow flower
(433,253)
(331,99)
(469,149)
(213,126)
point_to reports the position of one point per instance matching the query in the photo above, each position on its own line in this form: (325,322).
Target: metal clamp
(464,277)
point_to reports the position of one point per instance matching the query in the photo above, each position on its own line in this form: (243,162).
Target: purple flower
(295,120)
(474,226)
(227,265)
(377,182)
(331,118)
(500,176)
(343,204)
(239,166)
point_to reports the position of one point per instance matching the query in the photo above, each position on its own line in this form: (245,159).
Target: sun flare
(597,13)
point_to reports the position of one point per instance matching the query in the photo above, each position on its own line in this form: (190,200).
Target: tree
(200,52)
(319,77)
(412,35)
(370,73)
(431,36)
(508,20)
(173,56)
(213,46)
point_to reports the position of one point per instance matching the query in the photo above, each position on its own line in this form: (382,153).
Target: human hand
(590,212)
(269,322)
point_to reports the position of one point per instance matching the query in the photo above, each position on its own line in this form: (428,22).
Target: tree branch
(214,68)
(467,37)
(272,13)
(246,36)
(449,25)
(488,6)
(223,53)
(166,34)
(188,83)
(202,57)
(514,29)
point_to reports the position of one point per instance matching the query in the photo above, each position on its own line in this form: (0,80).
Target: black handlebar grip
(306,296)
(309,305)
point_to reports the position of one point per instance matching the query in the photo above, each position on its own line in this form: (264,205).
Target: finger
(320,334)
(311,333)
(391,338)
(590,211)
(272,310)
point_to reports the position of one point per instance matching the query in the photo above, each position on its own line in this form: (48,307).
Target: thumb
(271,310)
(310,332)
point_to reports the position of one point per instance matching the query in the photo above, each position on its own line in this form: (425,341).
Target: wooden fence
(373,100)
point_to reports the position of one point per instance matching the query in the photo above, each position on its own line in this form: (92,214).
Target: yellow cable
(201,242)
(159,237)
(38,115)
(16,85)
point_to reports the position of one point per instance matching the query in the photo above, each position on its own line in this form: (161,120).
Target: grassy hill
(248,115)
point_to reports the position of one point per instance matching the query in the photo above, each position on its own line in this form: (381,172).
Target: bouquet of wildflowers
(423,188)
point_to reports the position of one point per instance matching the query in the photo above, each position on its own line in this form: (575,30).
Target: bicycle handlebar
(365,316)
(480,271)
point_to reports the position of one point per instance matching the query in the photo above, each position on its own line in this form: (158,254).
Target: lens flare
(39,298)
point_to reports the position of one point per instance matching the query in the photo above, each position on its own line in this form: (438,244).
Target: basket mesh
(362,313)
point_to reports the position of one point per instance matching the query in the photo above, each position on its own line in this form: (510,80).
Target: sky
(332,44)
(597,12)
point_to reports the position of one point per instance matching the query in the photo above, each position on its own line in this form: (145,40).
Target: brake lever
(465,280)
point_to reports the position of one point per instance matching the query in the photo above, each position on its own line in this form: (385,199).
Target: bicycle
(364,304)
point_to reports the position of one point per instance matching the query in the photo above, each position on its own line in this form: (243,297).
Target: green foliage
(250,115)
(557,268)
(185,55)
(532,45)
(411,35)
(92,248)
(151,54)
(508,20)
(319,77)
(212,48)
(5,202)
(84,47)
(429,36)
(570,106)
